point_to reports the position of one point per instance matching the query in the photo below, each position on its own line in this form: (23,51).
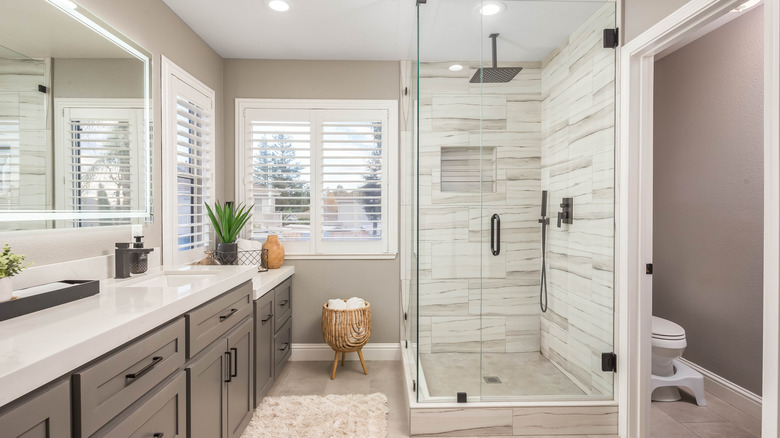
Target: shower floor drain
(492,379)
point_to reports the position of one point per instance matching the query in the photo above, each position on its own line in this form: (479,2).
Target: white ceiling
(382,29)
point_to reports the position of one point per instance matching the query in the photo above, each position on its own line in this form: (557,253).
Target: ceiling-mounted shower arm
(493,37)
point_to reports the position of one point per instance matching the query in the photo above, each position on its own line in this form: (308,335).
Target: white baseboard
(321,352)
(729,392)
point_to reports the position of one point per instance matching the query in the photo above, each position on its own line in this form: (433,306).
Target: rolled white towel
(355,303)
(337,304)
(247,245)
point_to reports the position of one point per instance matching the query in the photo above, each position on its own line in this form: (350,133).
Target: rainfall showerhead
(495,74)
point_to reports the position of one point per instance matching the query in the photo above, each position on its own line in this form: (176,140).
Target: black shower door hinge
(609,362)
(610,38)
(414,385)
(649,269)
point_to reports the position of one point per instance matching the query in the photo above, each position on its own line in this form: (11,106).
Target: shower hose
(543,279)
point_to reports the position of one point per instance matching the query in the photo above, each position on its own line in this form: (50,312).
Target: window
(321,174)
(98,157)
(188,164)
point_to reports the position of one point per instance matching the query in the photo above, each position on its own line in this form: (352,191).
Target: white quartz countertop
(266,281)
(43,346)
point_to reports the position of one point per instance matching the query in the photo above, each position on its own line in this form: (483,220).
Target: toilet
(668,344)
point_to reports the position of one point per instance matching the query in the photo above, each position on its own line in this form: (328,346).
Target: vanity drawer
(282,347)
(110,385)
(162,413)
(215,318)
(282,302)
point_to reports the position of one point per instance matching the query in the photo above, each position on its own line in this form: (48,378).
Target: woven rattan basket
(346,331)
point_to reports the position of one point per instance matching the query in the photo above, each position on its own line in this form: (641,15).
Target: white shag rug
(315,416)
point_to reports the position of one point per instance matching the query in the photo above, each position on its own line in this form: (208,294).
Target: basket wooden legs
(336,363)
(362,362)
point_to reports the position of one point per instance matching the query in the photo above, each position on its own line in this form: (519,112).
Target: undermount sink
(172,279)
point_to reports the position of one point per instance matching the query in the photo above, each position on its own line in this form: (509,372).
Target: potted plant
(228,222)
(10,265)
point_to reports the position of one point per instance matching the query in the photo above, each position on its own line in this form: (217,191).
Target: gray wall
(98,77)
(378,281)
(640,15)
(708,197)
(151,24)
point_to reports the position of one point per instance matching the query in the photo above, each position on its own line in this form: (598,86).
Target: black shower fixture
(495,74)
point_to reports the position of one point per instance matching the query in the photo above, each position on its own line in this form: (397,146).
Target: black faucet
(123,258)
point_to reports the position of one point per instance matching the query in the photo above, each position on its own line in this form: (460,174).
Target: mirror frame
(108,32)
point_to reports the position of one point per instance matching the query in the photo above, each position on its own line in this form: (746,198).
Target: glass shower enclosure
(509,292)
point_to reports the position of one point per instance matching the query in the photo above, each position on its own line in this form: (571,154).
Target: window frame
(139,158)
(389,246)
(170,73)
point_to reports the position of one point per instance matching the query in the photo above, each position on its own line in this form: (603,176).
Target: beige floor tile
(718,430)
(664,426)
(733,415)
(687,411)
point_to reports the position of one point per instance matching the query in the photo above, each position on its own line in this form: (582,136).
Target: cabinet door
(264,346)
(47,415)
(206,377)
(240,388)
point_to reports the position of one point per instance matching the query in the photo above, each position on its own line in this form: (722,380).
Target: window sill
(340,256)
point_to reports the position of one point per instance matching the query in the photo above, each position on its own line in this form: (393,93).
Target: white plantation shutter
(317,178)
(188,165)
(101,162)
(194,177)
(280,170)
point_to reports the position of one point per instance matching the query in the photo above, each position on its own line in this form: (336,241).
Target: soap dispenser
(139,261)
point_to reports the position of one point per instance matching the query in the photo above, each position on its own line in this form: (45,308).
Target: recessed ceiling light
(456,67)
(488,8)
(279,5)
(67,4)
(745,6)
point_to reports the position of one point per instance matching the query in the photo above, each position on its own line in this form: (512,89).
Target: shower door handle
(495,234)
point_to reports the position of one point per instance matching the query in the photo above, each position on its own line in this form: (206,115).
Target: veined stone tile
(563,420)
(497,298)
(457,260)
(508,139)
(462,422)
(467,334)
(27,67)
(425,112)
(435,140)
(523,334)
(9,105)
(444,298)
(469,113)
(32,110)
(443,224)
(425,334)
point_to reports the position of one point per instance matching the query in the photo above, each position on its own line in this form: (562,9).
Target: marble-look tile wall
(578,121)
(24,137)
(469,300)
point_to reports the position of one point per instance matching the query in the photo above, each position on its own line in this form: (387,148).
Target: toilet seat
(667,334)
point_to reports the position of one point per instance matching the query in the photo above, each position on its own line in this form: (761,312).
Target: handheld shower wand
(545,221)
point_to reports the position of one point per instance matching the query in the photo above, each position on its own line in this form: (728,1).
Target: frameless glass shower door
(510,105)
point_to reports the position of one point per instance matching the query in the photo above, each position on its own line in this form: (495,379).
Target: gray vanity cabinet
(264,344)
(45,415)
(220,382)
(282,325)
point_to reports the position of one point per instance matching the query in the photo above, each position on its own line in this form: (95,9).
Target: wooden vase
(275,252)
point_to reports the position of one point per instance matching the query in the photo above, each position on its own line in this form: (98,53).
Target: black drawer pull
(267,319)
(224,317)
(146,369)
(158,435)
(234,358)
(283,303)
(229,363)
(284,346)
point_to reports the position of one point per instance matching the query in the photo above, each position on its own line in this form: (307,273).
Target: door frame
(633,214)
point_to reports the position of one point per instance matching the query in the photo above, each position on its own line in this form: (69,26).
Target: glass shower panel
(509,106)
(549,128)
(450,242)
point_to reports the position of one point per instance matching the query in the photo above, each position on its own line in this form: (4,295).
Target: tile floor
(521,374)
(682,419)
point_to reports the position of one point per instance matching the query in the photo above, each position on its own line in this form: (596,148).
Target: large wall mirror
(75,114)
